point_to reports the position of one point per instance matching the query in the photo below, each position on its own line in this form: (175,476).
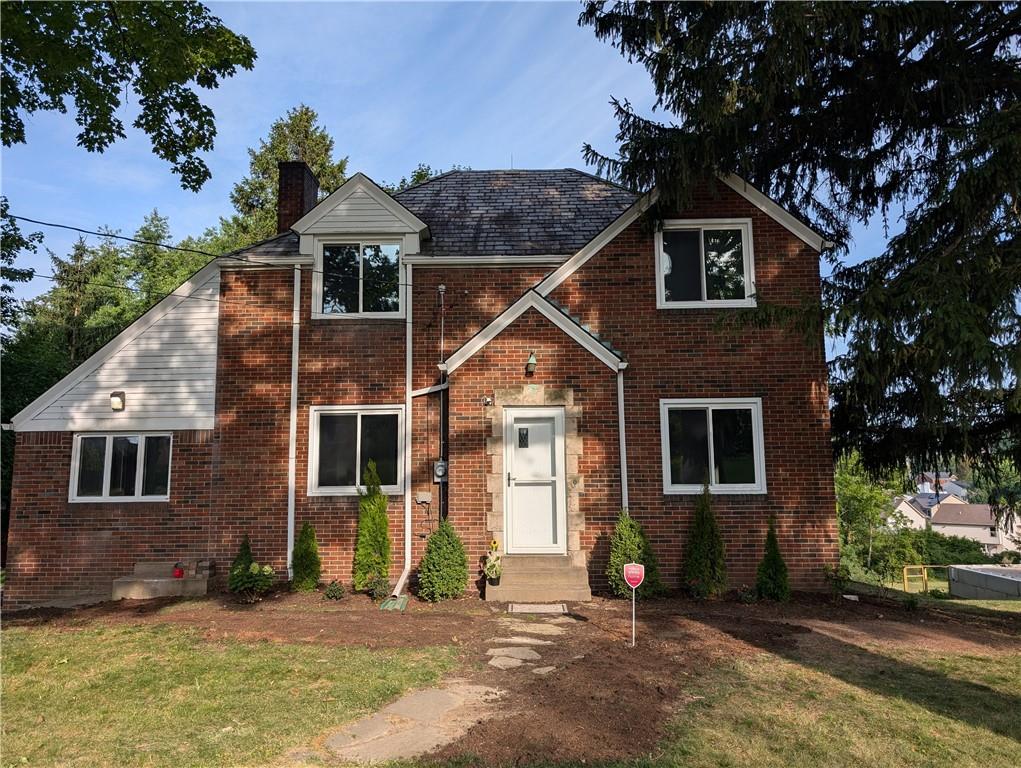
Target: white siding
(166,368)
(358,213)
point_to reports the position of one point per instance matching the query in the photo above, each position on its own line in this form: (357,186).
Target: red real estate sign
(634,575)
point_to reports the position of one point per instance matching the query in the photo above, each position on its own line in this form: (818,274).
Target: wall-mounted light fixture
(487,400)
(117,400)
(530,365)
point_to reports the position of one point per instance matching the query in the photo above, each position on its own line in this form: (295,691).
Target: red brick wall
(58,549)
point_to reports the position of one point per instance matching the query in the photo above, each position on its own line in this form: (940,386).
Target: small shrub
(244,557)
(771,577)
(838,576)
(705,569)
(334,591)
(629,544)
(911,602)
(372,546)
(747,595)
(378,588)
(939,594)
(251,583)
(305,564)
(444,570)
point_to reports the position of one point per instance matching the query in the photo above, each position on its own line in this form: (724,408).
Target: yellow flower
(494,545)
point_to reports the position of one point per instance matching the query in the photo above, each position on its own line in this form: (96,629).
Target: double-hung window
(715,440)
(344,439)
(358,279)
(120,467)
(705,263)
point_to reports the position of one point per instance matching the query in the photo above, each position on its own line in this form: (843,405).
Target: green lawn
(161,696)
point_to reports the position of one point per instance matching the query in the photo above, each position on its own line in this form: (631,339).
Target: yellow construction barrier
(918,572)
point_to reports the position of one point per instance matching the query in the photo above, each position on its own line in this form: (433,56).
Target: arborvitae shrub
(244,557)
(372,547)
(305,564)
(771,577)
(705,569)
(629,544)
(444,570)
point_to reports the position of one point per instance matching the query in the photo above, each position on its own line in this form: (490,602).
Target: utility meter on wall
(440,471)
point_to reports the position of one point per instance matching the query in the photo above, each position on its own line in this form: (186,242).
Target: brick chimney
(297,193)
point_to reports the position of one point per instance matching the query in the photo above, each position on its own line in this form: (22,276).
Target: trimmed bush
(705,568)
(372,547)
(306,567)
(771,576)
(629,544)
(444,570)
(334,591)
(251,583)
(378,588)
(244,557)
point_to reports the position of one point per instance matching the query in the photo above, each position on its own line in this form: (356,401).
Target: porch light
(117,400)
(530,365)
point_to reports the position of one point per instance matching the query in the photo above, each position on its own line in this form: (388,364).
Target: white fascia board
(112,347)
(772,209)
(549,283)
(530,300)
(241,262)
(551,260)
(361,182)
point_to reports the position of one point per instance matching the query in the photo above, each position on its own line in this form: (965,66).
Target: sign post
(634,575)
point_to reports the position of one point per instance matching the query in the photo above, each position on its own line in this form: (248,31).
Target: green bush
(378,588)
(629,544)
(334,591)
(244,557)
(251,583)
(444,570)
(705,569)
(305,564)
(771,577)
(372,547)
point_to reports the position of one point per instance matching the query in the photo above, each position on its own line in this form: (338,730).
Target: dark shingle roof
(514,213)
(283,245)
(963,514)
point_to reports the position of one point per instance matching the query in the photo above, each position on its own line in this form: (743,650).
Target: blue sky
(394,83)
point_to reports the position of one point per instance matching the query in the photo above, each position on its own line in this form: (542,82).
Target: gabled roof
(360,183)
(573,327)
(963,514)
(514,214)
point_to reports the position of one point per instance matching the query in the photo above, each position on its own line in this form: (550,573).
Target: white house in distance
(951,515)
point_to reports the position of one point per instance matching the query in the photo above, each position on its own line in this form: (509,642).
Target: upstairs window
(359,279)
(715,440)
(343,439)
(705,264)
(120,467)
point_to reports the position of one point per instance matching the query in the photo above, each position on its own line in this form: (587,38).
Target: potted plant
(492,567)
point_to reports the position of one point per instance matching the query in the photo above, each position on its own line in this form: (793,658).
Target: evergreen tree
(705,568)
(629,544)
(842,113)
(244,558)
(771,576)
(12,243)
(306,567)
(372,546)
(444,570)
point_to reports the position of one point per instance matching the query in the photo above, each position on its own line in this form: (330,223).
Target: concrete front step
(506,593)
(148,587)
(540,579)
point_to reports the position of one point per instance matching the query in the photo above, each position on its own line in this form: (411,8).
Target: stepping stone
(505,662)
(532,627)
(558,608)
(521,639)
(543,671)
(436,701)
(525,654)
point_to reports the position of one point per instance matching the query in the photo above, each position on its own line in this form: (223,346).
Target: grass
(162,696)
(853,707)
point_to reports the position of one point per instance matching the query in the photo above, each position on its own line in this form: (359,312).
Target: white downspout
(407,435)
(292,442)
(622,438)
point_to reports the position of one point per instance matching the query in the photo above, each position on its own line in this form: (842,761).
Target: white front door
(536,495)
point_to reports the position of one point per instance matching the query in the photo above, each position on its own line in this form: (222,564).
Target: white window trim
(314,412)
(106,498)
(758,440)
(745,225)
(317,277)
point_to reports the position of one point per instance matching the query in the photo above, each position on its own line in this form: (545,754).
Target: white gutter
(292,442)
(430,390)
(407,436)
(622,438)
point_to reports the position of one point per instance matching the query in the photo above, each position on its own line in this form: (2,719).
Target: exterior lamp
(530,365)
(117,400)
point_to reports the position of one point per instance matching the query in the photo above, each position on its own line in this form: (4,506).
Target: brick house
(521,352)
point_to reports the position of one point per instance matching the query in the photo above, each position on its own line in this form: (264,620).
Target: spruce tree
(306,567)
(771,576)
(372,547)
(705,568)
(629,544)
(244,557)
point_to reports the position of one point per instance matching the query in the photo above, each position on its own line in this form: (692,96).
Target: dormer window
(706,263)
(358,279)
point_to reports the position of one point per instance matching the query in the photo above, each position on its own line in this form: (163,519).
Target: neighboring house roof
(963,514)
(514,213)
(924,502)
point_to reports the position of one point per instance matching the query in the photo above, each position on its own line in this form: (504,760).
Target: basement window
(357,279)
(715,440)
(343,439)
(705,264)
(119,467)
